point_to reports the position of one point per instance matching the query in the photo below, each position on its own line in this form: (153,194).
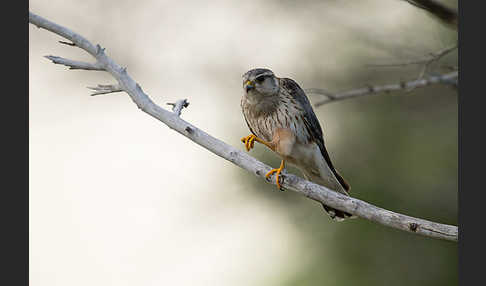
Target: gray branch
(449,78)
(291,182)
(75,65)
(106,88)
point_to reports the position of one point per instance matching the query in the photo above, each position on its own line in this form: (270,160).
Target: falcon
(279,116)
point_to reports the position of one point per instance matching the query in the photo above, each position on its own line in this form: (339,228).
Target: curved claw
(278,171)
(249,141)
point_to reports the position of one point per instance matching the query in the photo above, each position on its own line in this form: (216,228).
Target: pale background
(117,198)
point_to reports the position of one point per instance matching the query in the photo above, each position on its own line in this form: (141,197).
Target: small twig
(449,78)
(178,106)
(75,65)
(426,62)
(105,88)
(432,57)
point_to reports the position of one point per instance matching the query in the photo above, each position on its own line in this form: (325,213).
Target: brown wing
(312,124)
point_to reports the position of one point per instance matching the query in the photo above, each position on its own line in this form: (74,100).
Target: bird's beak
(249,85)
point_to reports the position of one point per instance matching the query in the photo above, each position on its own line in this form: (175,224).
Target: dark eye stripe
(260,79)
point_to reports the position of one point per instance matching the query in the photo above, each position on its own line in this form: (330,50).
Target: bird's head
(260,83)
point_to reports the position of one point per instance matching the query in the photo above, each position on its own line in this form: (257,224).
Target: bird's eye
(260,79)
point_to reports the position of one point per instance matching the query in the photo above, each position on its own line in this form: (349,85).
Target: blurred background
(118,198)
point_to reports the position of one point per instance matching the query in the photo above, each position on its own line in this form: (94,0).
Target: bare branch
(445,14)
(75,65)
(449,78)
(245,161)
(432,57)
(426,61)
(106,88)
(178,106)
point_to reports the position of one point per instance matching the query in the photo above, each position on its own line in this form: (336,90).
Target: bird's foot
(249,142)
(277,176)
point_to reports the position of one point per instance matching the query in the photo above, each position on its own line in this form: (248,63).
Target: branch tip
(105,89)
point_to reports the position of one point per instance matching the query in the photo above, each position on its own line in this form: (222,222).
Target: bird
(280,116)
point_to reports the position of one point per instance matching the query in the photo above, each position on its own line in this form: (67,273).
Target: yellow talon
(245,140)
(249,142)
(278,171)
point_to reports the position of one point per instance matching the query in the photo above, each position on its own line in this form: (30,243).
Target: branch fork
(178,106)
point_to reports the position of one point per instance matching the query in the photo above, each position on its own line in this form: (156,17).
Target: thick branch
(245,161)
(449,78)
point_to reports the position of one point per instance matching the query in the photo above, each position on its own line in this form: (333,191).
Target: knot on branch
(189,130)
(413,226)
(99,50)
